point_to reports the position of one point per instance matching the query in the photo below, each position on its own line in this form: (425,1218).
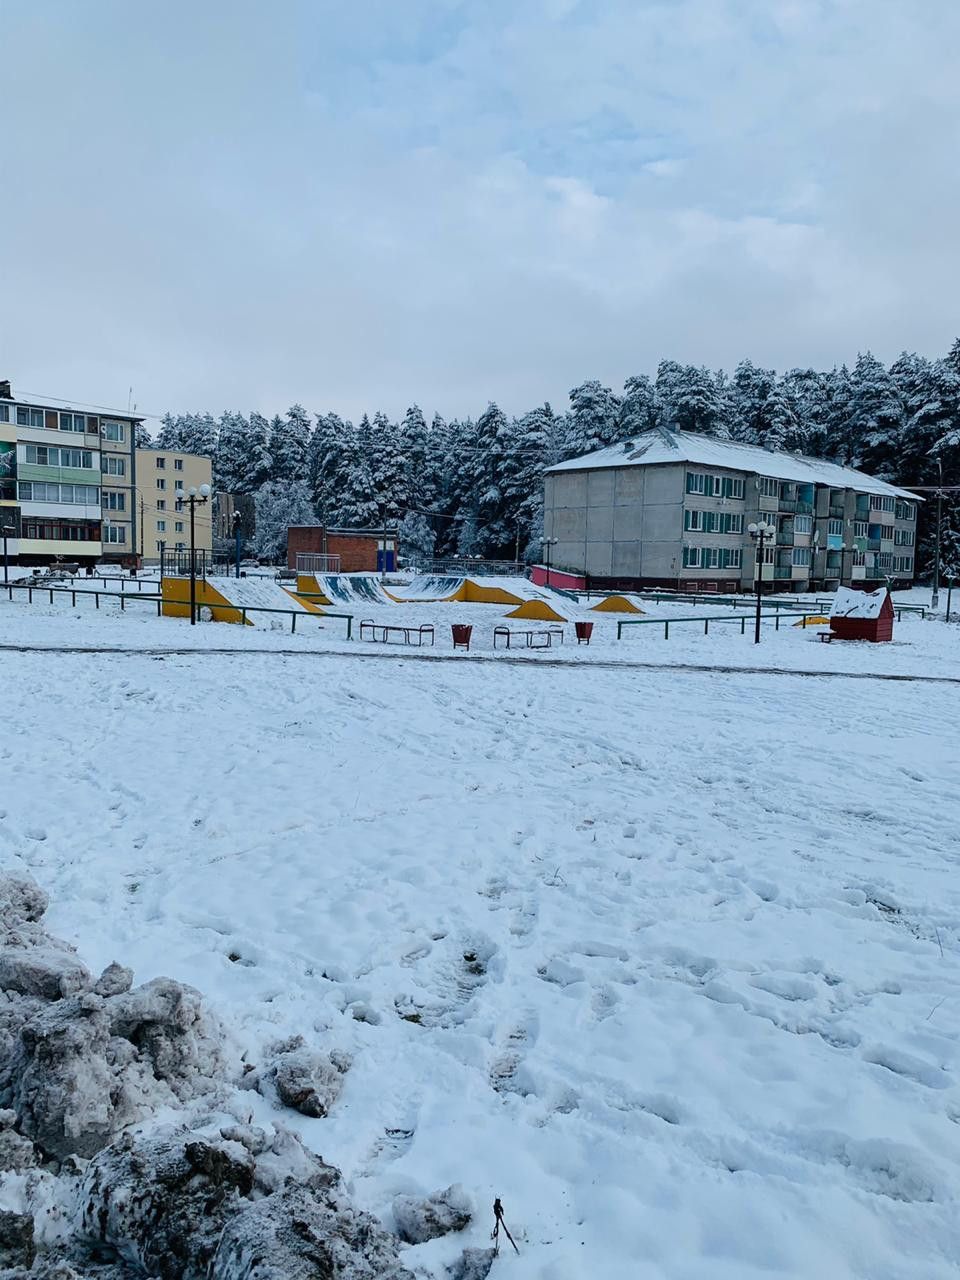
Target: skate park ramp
(227,597)
(617,604)
(536,610)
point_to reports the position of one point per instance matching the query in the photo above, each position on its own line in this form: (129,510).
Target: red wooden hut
(862,615)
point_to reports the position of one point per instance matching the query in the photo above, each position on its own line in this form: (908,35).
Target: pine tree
(638,410)
(231,462)
(417,539)
(688,399)
(762,411)
(876,421)
(289,445)
(280,505)
(387,469)
(593,418)
(143,438)
(259,464)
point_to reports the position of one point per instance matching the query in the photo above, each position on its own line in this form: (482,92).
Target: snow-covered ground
(666,959)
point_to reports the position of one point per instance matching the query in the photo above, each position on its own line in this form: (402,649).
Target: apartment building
(52,462)
(166,477)
(673,509)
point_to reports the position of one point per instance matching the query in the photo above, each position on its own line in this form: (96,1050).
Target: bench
(542,639)
(825,636)
(383,633)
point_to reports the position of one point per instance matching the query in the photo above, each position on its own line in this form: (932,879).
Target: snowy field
(666,959)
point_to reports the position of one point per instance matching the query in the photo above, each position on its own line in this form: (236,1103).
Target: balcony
(788,504)
(804,508)
(782,571)
(873,544)
(837,513)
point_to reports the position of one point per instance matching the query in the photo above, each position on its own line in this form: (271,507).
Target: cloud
(354,206)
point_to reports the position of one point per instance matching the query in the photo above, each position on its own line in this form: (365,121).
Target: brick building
(360,550)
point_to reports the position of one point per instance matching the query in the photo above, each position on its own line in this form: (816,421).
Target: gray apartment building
(672,509)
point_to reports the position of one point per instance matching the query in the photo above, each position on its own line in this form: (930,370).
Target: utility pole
(758,532)
(196,498)
(8,531)
(935,597)
(143,545)
(237,521)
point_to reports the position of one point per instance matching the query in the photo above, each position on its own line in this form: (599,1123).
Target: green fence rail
(137,597)
(706,619)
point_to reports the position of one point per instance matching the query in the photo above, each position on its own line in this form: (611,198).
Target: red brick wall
(357,551)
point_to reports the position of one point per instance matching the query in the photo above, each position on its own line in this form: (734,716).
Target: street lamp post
(935,597)
(759,533)
(196,498)
(8,531)
(547,543)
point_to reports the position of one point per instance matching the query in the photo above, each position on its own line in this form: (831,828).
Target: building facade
(359,550)
(53,467)
(673,509)
(166,477)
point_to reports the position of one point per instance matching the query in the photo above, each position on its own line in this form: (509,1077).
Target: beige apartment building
(164,480)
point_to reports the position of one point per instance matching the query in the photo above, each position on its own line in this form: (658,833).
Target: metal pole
(193,566)
(756,633)
(949,596)
(236,534)
(6,576)
(935,597)
(143,545)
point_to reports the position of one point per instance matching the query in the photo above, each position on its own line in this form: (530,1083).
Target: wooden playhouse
(862,615)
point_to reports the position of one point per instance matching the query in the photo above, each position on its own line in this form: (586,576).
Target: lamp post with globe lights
(195,498)
(759,533)
(547,543)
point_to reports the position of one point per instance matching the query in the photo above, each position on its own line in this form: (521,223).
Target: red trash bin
(584,632)
(461,636)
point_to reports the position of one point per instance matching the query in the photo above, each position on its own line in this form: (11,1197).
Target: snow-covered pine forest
(473,486)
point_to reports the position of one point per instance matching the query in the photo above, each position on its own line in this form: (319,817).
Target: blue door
(391,561)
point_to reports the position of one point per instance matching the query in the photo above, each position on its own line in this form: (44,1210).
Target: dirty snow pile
(126,1142)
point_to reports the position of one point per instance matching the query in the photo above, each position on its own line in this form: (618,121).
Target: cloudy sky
(365,203)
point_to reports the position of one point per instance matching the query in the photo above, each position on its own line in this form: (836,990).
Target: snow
(857,604)
(657,447)
(256,593)
(652,954)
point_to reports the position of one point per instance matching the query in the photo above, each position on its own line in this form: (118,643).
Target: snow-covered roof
(658,447)
(857,604)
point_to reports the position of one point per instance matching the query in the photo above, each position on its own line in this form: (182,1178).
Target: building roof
(660,447)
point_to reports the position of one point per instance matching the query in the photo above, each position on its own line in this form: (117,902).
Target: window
(710,558)
(115,533)
(178,464)
(161,463)
(161,504)
(115,431)
(179,504)
(803,524)
(835,528)
(178,484)
(768,554)
(713,521)
(45,491)
(697,482)
(903,537)
(882,531)
(732,557)
(691,557)
(878,502)
(178,526)
(769,488)
(27,417)
(859,528)
(111,465)
(903,564)
(160,547)
(50,456)
(732,487)
(46,530)
(693,520)
(76,422)
(181,546)
(883,560)
(801,556)
(905,511)
(161,526)
(161,484)
(859,557)
(115,501)
(4,413)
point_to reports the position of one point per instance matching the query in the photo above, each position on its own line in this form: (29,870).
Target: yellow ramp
(311,606)
(616,604)
(476,593)
(176,600)
(307,584)
(811,621)
(536,610)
